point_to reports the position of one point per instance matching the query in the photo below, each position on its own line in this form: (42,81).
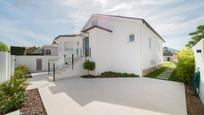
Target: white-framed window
(48,52)
(150,43)
(131,38)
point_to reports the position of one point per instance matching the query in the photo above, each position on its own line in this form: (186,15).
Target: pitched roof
(96,26)
(72,35)
(144,22)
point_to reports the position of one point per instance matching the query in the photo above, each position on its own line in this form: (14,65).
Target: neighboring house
(115,43)
(34,51)
(199,63)
(50,50)
(169,54)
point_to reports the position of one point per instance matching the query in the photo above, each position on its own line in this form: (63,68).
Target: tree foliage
(185,66)
(196,36)
(3,47)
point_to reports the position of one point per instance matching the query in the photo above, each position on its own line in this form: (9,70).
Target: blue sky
(38,22)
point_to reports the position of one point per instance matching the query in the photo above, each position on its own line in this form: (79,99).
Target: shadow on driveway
(149,94)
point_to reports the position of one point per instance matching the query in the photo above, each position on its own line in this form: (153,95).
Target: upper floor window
(150,43)
(132,38)
(48,52)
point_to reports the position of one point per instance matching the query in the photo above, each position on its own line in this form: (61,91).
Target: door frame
(39,64)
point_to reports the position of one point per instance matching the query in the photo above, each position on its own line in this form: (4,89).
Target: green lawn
(165,65)
(173,76)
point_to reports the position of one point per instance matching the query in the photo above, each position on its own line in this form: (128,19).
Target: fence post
(72,61)
(53,71)
(48,67)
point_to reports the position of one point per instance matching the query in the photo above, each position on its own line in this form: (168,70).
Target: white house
(199,63)
(115,43)
(68,45)
(50,50)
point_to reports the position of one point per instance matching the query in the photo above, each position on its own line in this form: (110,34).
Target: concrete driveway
(109,96)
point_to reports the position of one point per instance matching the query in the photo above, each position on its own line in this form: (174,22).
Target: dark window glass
(48,52)
(132,38)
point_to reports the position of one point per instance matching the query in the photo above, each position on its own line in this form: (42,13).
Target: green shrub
(185,66)
(21,71)
(3,47)
(12,94)
(117,74)
(89,65)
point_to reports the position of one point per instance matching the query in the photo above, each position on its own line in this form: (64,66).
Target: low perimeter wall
(31,62)
(199,62)
(6,66)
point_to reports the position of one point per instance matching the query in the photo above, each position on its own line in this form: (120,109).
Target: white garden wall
(12,64)
(199,62)
(6,66)
(31,64)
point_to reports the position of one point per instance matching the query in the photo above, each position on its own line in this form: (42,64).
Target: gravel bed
(194,104)
(33,104)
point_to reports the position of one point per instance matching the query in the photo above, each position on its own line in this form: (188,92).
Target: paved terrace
(119,96)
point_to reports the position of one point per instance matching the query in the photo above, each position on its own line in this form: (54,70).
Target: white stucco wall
(54,50)
(30,62)
(199,62)
(150,56)
(12,65)
(114,52)
(5,66)
(67,43)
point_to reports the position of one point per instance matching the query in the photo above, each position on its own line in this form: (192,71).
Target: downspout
(141,71)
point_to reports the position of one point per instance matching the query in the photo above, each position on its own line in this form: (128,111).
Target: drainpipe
(141,70)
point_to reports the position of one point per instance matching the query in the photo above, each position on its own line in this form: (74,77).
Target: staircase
(63,71)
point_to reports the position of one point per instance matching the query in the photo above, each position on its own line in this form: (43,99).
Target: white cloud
(21,36)
(122,6)
(155,2)
(171,18)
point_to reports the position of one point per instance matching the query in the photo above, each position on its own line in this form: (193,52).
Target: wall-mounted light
(198,50)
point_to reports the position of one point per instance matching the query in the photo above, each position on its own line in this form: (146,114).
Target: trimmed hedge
(17,50)
(117,74)
(89,65)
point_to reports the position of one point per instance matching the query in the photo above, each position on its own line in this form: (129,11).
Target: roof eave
(96,26)
(150,27)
